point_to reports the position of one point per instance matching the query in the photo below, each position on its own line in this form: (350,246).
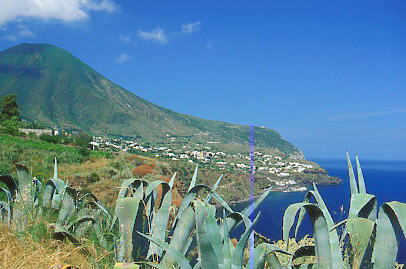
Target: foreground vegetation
(145,229)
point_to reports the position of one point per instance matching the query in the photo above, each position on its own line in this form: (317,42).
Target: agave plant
(368,240)
(78,214)
(146,233)
(10,192)
(215,249)
(54,190)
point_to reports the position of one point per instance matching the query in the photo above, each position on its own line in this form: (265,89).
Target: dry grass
(106,190)
(25,253)
(94,164)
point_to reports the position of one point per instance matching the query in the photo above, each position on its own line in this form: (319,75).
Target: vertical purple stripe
(252,181)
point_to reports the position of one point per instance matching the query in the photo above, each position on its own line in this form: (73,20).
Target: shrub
(10,127)
(4,168)
(50,138)
(82,140)
(144,169)
(93,177)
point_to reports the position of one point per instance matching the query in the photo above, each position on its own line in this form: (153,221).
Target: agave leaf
(12,185)
(172,180)
(126,212)
(36,191)
(47,195)
(100,208)
(61,233)
(180,237)
(174,253)
(82,225)
(8,195)
(238,253)
(5,212)
(212,231)
(192,194)
(337,259)
(194,178)
(251,208)
(214,188)
(261,253)
(392,216)
(363,206)
(205,231)
(55,168)
(53,193)
(160,221)
(353,183)
(24,182)
(157,265)
(127,184)
(232,222)
(67,209)
(361,181)
(360,231)
(153,186)
(274,262)
(321,231)
(226,244)
(124,191)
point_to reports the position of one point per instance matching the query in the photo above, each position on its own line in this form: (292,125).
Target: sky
(329,76)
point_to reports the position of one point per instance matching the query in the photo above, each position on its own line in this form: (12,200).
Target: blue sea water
(385,179)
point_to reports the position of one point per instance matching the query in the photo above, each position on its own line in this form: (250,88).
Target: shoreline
(297,188)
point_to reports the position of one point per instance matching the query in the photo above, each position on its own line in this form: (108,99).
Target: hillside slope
(57,89)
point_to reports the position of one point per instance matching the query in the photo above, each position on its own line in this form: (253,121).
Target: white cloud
(190,28)
(62,10)
(125,38)
(21,32)
(103,5)
(156,35)
(124,57)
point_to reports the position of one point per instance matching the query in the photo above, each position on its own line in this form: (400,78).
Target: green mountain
(55,88)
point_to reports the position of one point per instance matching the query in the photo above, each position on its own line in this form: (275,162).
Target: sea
(384,179)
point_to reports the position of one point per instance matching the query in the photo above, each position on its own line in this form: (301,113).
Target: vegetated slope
(57,89)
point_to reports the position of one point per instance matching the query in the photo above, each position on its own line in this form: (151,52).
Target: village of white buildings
(266,163)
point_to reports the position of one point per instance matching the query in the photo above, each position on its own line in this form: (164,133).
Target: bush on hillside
(144,169)
(10,127)
(93,177)
(50,138)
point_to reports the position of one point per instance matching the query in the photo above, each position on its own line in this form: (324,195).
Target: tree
(82,140)
(9,108)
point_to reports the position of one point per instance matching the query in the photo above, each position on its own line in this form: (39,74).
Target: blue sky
(328,75)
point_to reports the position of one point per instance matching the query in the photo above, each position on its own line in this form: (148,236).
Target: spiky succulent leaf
(361,181)
(126,212)
(194,178)
(320,228)
(238,253)
(392,216)
(160,220)
(363,206)
(360,232)
(353,183)
(208,236)
(174,253)
(262,253)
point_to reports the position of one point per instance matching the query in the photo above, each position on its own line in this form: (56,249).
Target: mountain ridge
(57,89)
